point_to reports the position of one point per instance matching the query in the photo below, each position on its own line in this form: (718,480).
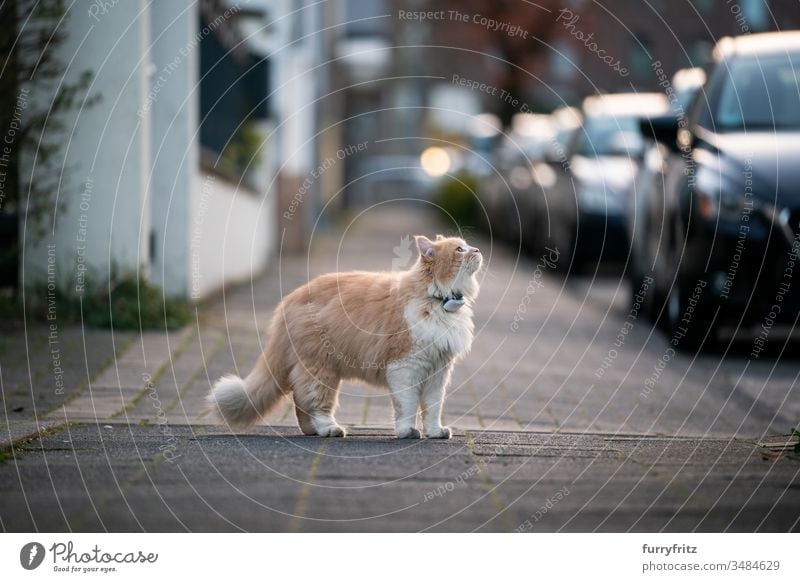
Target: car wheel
(536,239)
(650,300)
(640,298)
(572,262)
(690,327)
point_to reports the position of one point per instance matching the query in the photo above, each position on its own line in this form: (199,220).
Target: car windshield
(760,93)
(607,135)
(683,101)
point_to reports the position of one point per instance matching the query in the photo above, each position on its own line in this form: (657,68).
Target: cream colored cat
(403,330)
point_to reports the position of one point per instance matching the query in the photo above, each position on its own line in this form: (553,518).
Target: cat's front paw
(443,432)
(332,431)
(409,433)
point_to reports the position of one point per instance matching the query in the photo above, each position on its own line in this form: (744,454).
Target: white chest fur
(438,332)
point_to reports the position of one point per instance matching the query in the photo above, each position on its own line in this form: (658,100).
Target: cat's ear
(425,246)
(439,237)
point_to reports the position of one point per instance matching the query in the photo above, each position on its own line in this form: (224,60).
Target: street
(570,414)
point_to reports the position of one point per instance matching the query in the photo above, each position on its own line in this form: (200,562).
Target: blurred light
(567,117)
(706,207)
(532,125)
(625,105)
(543,175)
(485,125)
(435,161)
(617,173)
(364,57)
(520,178)
(688,79)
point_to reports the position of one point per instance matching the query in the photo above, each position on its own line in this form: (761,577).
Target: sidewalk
(544,374)
(533,415)
(118,478)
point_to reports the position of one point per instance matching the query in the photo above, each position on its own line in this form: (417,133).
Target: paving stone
(87,478)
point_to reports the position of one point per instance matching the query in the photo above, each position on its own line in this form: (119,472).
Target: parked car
(726,241)
(505,192)
(548,179)
(586,204)
(643,210)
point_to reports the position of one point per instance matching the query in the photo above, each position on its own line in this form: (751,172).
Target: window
(760,93)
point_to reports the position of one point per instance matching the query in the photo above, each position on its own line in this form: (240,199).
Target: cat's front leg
(433,393)
(404,388)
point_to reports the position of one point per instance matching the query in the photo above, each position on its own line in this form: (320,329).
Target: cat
(403,330)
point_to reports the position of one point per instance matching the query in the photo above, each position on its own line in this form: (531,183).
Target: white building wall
(294,86)
(172,101)
(231,235)
(102,192)
(132,168)
(104,161)
(207,231)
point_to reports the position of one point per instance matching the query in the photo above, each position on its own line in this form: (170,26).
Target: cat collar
(452,303)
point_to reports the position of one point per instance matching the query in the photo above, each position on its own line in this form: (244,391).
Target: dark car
(506,190)
(643,208)
(724,231)
(586,204)
(548,176)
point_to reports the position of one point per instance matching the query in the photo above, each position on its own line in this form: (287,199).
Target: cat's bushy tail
(241,402)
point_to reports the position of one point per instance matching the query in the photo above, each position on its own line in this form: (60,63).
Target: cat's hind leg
(316,395)
(304,420)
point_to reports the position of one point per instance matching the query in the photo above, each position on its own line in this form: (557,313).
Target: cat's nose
(475,251)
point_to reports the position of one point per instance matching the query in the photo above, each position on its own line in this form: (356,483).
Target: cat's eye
(461,250)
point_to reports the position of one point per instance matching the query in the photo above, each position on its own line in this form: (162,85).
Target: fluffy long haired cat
(403,330)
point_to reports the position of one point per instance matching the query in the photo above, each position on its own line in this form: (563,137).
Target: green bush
(126,301)
(457,198)
(242,152)
(131,303)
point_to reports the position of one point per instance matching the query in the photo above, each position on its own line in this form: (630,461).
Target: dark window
(223,94)
(641,57)
(233,89)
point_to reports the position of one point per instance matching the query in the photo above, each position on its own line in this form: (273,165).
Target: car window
(759,93)
(608,135)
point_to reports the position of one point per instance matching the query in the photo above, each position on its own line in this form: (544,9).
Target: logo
(31,555)
(402,254)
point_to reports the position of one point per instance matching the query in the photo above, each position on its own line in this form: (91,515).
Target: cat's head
(450,263)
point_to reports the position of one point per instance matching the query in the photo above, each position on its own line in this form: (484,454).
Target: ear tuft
(425,246)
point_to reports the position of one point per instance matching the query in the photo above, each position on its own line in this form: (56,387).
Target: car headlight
(724,206)
(520,178)
(718,196)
